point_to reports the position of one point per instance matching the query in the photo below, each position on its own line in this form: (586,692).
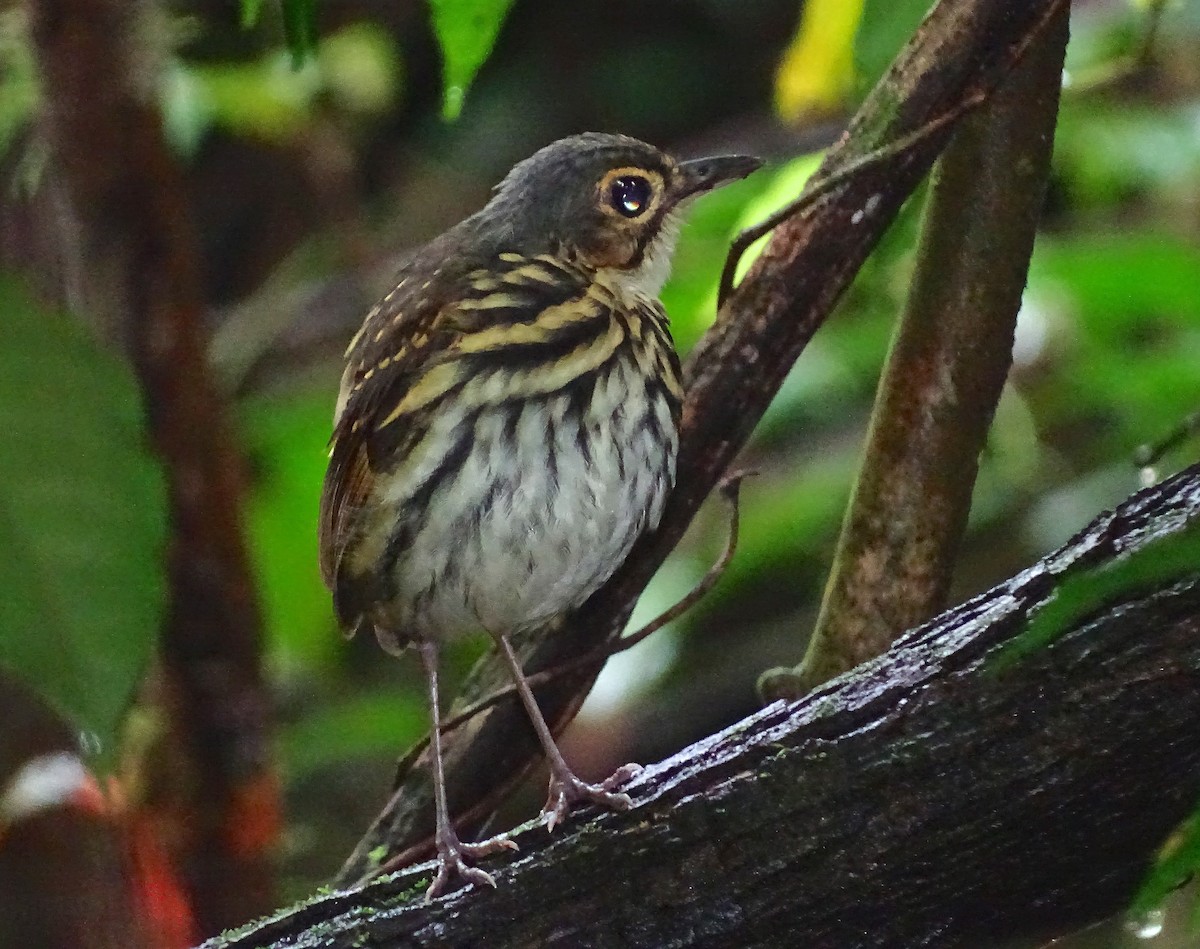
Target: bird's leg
(452,853)
(565,788)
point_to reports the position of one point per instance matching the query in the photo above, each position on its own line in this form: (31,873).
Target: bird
(507,425)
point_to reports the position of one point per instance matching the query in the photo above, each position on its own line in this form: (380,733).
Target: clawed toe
(567,790)
(451,866)
(621,776)
(452,862)
(485,848)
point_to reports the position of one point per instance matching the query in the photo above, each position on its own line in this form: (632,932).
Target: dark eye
(629,194)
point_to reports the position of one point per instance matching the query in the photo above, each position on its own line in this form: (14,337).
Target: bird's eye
(629,195)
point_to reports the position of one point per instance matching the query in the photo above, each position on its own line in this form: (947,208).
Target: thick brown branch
(929,798)
(960,52)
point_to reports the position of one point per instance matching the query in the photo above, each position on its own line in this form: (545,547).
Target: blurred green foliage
(272,98)
(1178,862)
(82,519)
(1107,350)
(885,26)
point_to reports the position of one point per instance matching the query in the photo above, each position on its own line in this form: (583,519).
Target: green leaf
(1104,152)
(19,86)
(884,28)
(818,66)
(1178,861)
(287,438)
(251,11)
(373,724)
(466,31)
(300,29)
(1123,322)
(82,518)
(1079,595)
(690,297)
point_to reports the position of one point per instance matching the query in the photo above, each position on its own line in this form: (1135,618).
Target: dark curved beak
(704,174)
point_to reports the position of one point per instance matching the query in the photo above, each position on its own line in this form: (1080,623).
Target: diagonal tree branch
(960,53)
(1007,770)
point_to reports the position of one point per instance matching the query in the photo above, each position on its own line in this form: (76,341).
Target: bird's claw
(452,862)
(567,790)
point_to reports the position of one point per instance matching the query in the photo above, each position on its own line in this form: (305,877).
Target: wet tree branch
(968,786)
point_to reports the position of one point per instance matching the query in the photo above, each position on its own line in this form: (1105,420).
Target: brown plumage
(506,427)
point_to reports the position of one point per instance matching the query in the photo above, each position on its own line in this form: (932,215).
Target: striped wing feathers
(509,331)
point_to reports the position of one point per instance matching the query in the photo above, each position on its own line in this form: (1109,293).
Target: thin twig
(818,188)
(1152,453)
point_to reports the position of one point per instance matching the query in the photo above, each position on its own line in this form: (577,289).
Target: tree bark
(957,790)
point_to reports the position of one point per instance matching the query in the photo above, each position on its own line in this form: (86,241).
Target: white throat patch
(648,278)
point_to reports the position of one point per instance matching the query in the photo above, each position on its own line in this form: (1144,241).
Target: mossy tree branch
(1006,771)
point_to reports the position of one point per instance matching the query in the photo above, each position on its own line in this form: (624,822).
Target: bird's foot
(452,859)
(567,790)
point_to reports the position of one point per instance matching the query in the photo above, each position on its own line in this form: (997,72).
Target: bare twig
(817,188)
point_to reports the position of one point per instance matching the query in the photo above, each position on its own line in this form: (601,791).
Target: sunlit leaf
(466,31)
(358,68)
(82,518)
(690,297)
(817,71)
(361,67)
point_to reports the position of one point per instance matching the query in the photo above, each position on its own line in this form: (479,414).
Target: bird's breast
(518,510)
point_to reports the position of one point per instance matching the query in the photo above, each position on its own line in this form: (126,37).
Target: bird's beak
(704,174)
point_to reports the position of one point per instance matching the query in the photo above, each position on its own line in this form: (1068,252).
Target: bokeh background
(308,182)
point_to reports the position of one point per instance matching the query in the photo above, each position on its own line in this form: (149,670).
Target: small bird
(507,424)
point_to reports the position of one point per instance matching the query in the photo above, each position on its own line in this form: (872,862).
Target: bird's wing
(420,345)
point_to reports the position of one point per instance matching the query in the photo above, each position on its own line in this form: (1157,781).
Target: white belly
(512,543)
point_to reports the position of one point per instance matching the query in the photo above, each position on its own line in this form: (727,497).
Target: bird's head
(610,201)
